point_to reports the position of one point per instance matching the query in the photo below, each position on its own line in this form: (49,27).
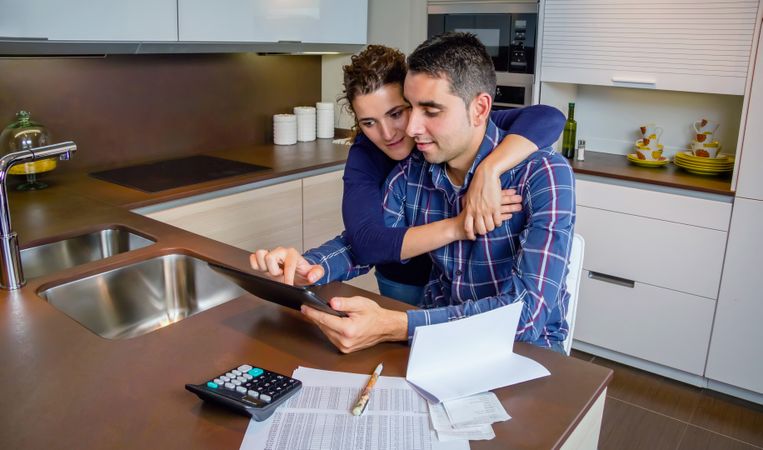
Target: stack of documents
(469,418)
(319,417)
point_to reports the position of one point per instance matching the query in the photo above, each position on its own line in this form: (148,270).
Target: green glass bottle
(570,130)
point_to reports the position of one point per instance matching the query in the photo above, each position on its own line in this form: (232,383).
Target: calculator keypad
(253,385)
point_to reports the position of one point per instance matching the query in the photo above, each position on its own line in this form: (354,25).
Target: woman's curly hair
(369,70)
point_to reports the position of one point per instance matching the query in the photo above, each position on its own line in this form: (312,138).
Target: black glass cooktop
(174,173)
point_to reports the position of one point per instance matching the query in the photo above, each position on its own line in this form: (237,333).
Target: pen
(362,402)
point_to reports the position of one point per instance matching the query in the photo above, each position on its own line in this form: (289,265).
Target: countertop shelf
(617,166)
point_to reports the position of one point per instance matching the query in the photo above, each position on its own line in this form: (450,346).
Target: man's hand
(367,323)
(486,206)
(286,265)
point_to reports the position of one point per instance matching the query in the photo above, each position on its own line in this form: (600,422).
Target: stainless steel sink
(139,298)
(48,258)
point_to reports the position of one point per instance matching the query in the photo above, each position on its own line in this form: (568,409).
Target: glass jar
(25,134)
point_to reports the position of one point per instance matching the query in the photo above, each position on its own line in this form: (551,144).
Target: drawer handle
(611,279)
(634,80)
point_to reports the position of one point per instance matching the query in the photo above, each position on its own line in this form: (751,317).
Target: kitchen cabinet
(322,197)
(735,351)
(266,217)
(309,21)
(693,45)
(735,356)
(302,213)
(750,183)
(644,292)
(106,20)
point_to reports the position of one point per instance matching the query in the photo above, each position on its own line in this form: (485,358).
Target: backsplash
(122,109)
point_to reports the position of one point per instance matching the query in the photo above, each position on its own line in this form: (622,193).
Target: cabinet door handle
(634,80)
(22,38)
(611,279)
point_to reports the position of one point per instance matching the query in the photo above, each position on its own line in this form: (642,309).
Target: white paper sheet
(475,410)
(319,417)
(468,356)
(446,432)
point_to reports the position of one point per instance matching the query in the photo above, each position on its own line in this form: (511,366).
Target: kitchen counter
(283,160)
(66,387)
(617,166)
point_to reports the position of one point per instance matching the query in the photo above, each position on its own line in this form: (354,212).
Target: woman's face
(383,116)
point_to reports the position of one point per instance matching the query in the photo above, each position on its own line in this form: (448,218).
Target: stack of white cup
(305,123)
(284,129)
(325,119)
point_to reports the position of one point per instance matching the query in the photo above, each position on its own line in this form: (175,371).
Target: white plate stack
(305,123)
(284,129)
(325,119)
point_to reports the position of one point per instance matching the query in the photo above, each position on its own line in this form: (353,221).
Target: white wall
(608,117)
(400,24)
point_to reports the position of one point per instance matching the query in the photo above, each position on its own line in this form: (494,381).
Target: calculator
(248,390)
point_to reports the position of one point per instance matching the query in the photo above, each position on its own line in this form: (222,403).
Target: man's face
(439,121)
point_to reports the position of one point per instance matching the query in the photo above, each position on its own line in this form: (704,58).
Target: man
(449,85)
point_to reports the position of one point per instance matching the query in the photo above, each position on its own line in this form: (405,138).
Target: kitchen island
(67,387)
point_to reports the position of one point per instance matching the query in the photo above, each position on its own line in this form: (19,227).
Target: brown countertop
(66,387)
(283,160)
(617,166)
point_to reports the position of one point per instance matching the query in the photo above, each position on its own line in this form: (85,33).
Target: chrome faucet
(11,273)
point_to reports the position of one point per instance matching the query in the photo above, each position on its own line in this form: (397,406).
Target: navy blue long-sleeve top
(367,167)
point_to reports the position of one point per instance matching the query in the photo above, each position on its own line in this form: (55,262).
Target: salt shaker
(581,150)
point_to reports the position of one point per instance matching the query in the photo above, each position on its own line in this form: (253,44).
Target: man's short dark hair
(461,59)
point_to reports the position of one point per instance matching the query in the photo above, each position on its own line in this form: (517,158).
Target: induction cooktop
(174,173)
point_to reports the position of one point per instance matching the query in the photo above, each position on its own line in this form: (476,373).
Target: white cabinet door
(660,325)
(736,353)
(102,20)
(750,183)
(692,45)
(312,21)
(322,199)
(261,218)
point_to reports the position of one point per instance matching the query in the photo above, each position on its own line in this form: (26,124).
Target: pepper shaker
(581,150)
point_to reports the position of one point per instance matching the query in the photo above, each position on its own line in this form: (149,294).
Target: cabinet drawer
(261,218)
(657,205)
(660,325)
(665,254)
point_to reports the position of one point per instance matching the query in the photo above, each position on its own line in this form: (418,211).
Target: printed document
(319,417)
(468,356)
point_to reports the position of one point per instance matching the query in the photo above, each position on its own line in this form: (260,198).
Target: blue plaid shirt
(525,259)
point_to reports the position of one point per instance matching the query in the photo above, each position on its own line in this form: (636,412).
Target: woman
(373,92)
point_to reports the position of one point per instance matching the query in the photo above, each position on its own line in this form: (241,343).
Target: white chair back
(573,285)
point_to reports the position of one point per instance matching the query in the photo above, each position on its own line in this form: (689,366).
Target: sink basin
(139,298)
(48,258)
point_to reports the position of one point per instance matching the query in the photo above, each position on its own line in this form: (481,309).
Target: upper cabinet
(83,20)
(308,21)
(77,27)
(685,45)
(750,183)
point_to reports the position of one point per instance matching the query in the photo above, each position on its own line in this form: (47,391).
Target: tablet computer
(283,294)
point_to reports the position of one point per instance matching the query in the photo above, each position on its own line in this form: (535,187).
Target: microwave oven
(507,29)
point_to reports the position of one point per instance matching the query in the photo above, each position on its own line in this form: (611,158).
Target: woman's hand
(286,265)
(485,205)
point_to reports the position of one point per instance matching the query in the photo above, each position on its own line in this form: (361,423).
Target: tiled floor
(647,411)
